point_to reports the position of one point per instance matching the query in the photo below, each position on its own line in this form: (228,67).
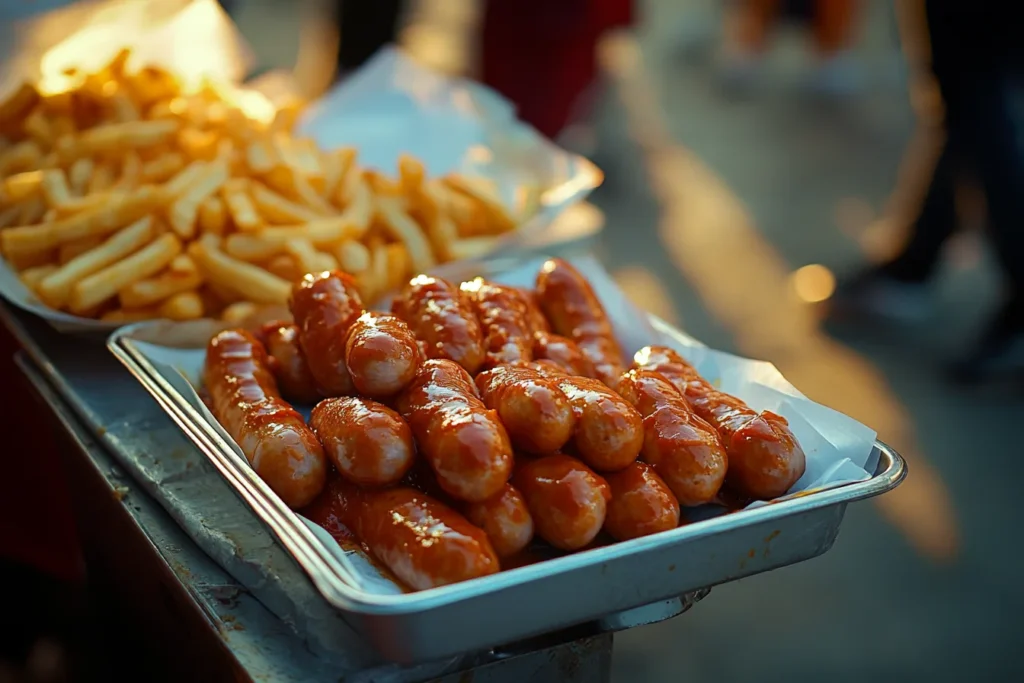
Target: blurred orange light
(813,283)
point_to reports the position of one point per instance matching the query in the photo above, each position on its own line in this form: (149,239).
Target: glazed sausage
(574,311)
(381,354)
(765,459)
(536,413)
(684,449)
(289,363)
(422,541)
(641,503)
(609,432)
(324,306)
(505,519)
(369,444)
(535,319)
(501,311)
(438,314)
(465,443)
(275,439)
(567,500)
(562,351)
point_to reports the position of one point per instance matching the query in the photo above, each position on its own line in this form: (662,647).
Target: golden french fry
(184,212)
(79,174)
(155,289)
(183,265)
(90,201)
(105,284)
(9,216)
(359,211)
(162,167)
(240,206)
(32,211)
(473,247)
(238,312)
(152,84)
(382,185)
(397,223)
(131,173)
(182,306)
(22,156)
(21,186)
(213,216)
(498,218)
(373,281)
(308,258)
(55,187)
(38,126)
(97,221)
(431,211)
(31,277)
(72,250)
(285,267)
(198,144)
(17,105)
(255,283)
(124,108)
(268,242)
(528,199)
(56,288)
(399,265)
(261,157)
(102,178)
(305,193)
(336,167)
(411,174)
(105,139)
(277,209)
(353,257)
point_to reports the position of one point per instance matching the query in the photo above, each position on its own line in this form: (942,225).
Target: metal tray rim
(340,585)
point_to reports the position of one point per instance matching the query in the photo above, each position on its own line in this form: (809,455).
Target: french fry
(240,206)
(497,216)
(32,211)
(261,157)
(353,256)
(182,265)
(255,283)
(184,179)
(131,173)
(182,306)
(162,167)
(184,212)
(31,277)
(155,289)
(336,165)
(277,209)
(55,289)
(213,216)
(399,265)
(268,242)
(198,144)
(21,186)
(308,258)
(22,156)
(285,267)
(55,187)
(397,223)
(79,174)
(105,284)
(71,250)
(238,312)
(102,178)
(39,127)
(471,248)
(359,211)
(109,138)
(90,201)
(307,195)
(9,216)
(411,174)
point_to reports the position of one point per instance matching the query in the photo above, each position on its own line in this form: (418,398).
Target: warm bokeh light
(813,283)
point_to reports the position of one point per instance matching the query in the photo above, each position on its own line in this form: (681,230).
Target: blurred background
(758,155)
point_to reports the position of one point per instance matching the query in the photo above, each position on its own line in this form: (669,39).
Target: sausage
(642,503)
(574,311)
(501,311)
(369,444)
(463,442)
(324,306)
(276,441)
(535,412)
(288,363)
(562,351)
(381,354)
(505,519)
(765,459)
(440,317)
(567,500)
(681,447)
(420,540)
(535,319)
(609,432)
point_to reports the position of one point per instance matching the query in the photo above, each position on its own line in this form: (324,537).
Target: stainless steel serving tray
(602,584)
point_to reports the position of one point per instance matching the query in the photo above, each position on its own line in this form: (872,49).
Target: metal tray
(619,586)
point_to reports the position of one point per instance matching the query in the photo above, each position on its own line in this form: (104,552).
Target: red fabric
(36,520)
(540,54)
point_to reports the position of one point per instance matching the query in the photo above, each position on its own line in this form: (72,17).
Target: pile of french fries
(126,198)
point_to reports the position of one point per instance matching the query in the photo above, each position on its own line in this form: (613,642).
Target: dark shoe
(999,354)
(871,294)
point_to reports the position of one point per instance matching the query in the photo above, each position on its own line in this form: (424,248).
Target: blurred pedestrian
(977,59)
(748,30)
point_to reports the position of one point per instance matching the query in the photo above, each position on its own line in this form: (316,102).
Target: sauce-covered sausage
(567,500)
(562,351)
(275,439)
(289,363)
(421,541)
(465,443)
(535,319)
(324,306)
(381,354)
(369,444)
(641,503)
(574,311)
(684,449)
(501,311)
(505,519)
(765,459)
(441,318)
(536,413)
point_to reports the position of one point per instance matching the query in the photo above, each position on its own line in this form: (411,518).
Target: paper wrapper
(838,448)
(390,106)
